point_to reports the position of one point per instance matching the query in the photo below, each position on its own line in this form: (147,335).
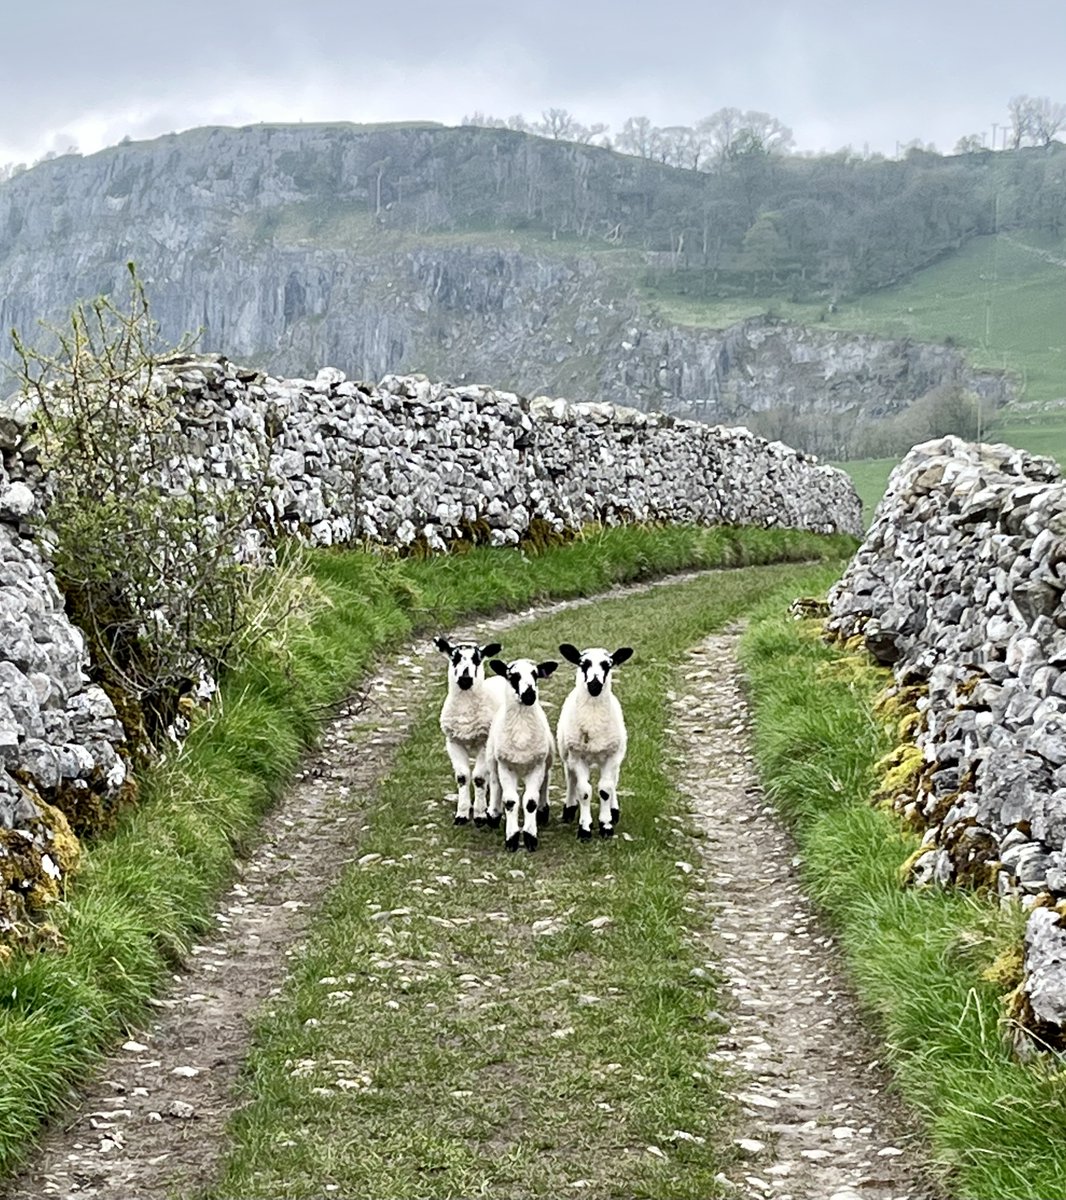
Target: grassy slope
(918,957)
(145,893)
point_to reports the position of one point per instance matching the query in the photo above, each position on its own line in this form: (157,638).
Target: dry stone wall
(335,462)
(959,586)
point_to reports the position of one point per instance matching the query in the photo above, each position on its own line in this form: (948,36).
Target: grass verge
(998,1127)
(467,1022)
(147,891)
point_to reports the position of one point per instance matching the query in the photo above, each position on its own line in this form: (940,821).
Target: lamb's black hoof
(584,835)
(460,820)
(606,831)
(512,842)
(530,840)
(544,815)
(569,814)
(615,814)
(479,822)
(493,822)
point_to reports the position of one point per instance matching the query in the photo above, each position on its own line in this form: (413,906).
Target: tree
(730,132)
(764,247)
(1045,120)
(972,143)
(637,137)
(146,539)
(1019,110)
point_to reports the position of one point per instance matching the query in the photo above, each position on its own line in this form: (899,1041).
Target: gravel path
(816,1124)
(817,1119)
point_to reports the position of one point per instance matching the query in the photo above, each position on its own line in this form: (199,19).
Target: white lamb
(592,733)
(465,717)
(520,751)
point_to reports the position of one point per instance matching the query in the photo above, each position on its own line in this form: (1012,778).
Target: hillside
(541,265)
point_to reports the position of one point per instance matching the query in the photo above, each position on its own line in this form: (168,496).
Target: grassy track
(489,1038)
(145,893)
(918,957)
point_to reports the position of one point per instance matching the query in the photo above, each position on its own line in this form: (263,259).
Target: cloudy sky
(837,72)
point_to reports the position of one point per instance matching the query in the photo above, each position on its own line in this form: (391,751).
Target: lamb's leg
(461,767)
(481,780)
(509,791)
(609,813)
(495,805)
(536,782)
(583,789)
(544,812)
(570,803)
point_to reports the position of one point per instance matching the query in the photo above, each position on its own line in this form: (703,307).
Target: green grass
(998,1127)
(490,1059)
(145,893)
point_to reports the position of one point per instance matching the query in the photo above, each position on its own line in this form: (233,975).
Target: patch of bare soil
(818,1119)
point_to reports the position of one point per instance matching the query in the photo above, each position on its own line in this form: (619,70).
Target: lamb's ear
(443,645)
(570,653)
(545,669)
(620,656)
(490,649)
(498,666)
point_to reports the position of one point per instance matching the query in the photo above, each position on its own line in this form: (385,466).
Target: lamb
(520,749)
(592,733)
(465,717)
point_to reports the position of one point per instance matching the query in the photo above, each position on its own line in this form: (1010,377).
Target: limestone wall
(959,586)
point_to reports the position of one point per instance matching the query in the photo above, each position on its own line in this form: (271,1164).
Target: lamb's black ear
(499,666)
(620,656)
(570,653)
(443,645)
(490,649)
(545,669)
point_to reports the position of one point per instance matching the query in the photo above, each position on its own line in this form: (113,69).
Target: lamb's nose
(529,696)
(466,682)
(595,687)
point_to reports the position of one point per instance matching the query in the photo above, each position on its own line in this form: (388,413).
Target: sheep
(592,733)
(465,717)
(520,749)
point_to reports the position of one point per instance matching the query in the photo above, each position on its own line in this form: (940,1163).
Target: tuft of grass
(145,892)
(932,966)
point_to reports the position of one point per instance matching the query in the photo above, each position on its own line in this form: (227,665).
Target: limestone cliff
(465,254)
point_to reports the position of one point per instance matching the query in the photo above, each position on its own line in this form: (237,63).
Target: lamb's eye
(586,665)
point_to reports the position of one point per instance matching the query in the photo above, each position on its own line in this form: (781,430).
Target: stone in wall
(959,587)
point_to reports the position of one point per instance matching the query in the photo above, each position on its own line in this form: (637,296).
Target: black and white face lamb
(523,675)
(593,666)
(465,659)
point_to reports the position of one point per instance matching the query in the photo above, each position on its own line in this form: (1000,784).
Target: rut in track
(817,1121)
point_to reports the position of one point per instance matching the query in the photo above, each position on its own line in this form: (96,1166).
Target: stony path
(815,1127)
(817,1121)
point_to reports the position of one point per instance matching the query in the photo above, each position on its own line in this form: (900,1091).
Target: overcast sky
(837,72)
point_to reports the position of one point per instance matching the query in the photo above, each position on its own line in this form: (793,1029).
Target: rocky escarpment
(298,245)
(335,462)
(959,585)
